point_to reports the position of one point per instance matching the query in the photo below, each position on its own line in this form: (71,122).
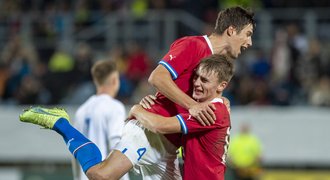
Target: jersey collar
(217,100)
(208,43)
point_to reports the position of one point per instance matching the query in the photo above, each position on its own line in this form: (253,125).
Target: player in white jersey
(101,118)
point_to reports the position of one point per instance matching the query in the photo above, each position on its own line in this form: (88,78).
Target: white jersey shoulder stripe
(208,43)
(217,100)
(183,124)
(170,69)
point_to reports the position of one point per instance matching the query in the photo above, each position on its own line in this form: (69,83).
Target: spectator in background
(245,154)
(138,8)
(20,61)
(117,55)
(260,94)
(280,57)
(82,85)
(244,91)
(320,93)
(101,118)
(260,67)
(298,46)
(82,14)
(61,61)
(138,65)
(281,65)
(60,65)
(83,60)
(260,70)
(297,41)
(309,70)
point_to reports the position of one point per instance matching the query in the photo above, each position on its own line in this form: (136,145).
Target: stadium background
(281,86)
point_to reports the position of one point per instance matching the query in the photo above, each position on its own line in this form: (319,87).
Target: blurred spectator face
(245,128)
(239,40)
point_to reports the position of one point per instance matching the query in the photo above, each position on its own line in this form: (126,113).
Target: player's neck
(219,44)
(108,91)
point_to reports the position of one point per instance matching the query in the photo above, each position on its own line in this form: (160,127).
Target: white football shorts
(151,154)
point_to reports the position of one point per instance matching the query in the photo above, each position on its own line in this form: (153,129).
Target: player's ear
(230,30)
(222,86)
(112,79)
(115,78)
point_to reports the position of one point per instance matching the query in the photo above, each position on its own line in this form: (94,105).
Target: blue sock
(85,151)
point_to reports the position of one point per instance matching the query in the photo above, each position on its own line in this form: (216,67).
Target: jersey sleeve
(179,57)
(190,125)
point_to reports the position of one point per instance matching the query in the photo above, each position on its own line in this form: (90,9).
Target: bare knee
(112,168)
(98,172)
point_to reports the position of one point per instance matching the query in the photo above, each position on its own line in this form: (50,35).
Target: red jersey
(205,145)
(181,61)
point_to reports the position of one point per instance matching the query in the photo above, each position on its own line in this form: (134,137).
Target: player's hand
(203,112)
(133,111)
(148,101)
(227,103)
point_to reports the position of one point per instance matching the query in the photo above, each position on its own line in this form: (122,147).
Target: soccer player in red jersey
(205,147)
(172,77)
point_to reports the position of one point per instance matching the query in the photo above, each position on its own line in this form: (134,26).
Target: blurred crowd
(295,72)
(65,77)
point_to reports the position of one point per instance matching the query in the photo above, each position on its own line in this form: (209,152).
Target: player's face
(240,41)
(206,85)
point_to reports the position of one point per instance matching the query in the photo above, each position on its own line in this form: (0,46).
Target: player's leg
(86,152)
(113,167)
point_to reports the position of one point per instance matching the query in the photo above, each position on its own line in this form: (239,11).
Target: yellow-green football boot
(45,117)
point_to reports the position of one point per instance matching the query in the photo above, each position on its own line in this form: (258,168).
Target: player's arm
(161,79)
(167,125)
(154,122)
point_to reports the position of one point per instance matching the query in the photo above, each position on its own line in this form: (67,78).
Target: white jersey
(101,119)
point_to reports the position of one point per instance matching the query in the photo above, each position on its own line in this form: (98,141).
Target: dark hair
(219,64)
(101,70)
(237,17)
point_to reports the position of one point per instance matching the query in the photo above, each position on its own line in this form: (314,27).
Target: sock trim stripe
(81,147)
